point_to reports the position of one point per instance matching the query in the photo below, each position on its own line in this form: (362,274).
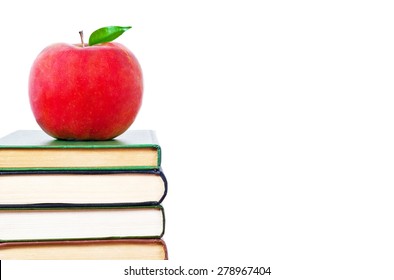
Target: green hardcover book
(80,223)
(35,150)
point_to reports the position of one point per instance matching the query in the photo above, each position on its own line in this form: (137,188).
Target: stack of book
(81,199)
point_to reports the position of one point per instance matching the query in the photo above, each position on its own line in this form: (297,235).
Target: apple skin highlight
(85,93)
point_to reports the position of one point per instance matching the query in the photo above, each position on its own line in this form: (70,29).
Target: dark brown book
(116,249)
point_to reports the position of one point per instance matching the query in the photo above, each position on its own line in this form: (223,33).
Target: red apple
(80,92)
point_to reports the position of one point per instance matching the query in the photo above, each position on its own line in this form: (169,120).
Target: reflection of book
(98,187)
(117,249)
(29,224)
(33,149)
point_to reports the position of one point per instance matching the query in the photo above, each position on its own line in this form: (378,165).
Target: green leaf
(107,34)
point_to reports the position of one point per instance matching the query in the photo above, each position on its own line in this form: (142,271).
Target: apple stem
(81,35)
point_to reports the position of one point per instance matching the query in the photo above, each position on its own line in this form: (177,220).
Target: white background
(275,118)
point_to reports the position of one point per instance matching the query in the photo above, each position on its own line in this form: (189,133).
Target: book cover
(35,150)
(81,223)
(21,188)
(114,249)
